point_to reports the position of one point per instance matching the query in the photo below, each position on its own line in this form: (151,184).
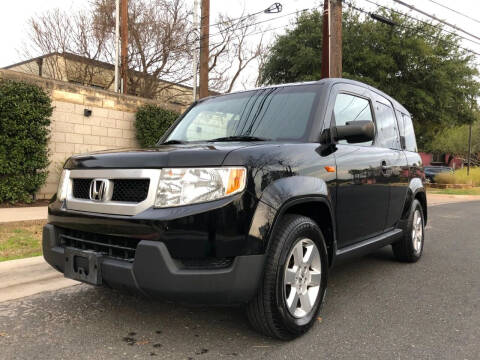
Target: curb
(25,277)
(23,214)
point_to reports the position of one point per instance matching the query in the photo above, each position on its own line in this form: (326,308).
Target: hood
(211,154)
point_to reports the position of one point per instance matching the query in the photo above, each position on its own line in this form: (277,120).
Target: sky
(15,14)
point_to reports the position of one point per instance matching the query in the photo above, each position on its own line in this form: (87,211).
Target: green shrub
(25,112)
(460,177)
(151,123)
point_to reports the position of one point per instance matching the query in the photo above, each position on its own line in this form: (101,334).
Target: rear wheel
(294,282)
(410,248)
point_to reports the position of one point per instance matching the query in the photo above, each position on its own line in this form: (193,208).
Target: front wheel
(295,280)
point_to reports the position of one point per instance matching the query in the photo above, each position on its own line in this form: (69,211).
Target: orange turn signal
(330,168)
(236,180)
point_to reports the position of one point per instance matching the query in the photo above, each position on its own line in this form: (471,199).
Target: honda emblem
(99,189)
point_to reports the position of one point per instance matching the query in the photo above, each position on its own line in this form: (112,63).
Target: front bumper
(156,274)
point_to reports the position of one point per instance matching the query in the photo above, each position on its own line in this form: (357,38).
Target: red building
(441,160)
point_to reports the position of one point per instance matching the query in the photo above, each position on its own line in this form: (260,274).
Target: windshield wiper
(239,138)
(173,142)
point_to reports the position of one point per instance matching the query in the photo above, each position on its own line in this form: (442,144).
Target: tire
(268,311)
(410,247)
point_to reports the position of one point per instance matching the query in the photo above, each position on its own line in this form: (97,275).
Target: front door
(362,187)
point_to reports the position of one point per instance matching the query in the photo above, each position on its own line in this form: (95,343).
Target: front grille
(207,263)
(116,247)
(130,190)
(81,188)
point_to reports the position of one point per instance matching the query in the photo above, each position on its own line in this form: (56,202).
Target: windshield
(268,114)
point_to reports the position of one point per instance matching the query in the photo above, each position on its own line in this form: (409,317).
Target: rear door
(394,162)
(362,190)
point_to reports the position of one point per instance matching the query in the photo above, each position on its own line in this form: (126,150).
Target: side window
(410,141)
(387,127)
(349,108)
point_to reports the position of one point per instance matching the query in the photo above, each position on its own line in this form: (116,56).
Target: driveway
(376,308)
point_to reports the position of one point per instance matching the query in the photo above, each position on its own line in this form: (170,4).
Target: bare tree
(233,49)
(161,44)
(56,32)
(158,42)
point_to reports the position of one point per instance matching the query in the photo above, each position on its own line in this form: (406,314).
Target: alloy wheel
(302,278)
(417,231)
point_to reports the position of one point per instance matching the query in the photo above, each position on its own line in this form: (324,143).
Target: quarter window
(349,108)
(387,128)
(409,134)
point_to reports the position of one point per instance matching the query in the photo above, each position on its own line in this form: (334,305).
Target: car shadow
(139,326)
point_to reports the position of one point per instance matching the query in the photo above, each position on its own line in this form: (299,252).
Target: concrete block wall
(110,125)
(73,133)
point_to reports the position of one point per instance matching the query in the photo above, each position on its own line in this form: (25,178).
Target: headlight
(189,186)
(63,185)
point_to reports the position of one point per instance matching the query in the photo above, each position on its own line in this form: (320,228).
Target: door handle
(384,168)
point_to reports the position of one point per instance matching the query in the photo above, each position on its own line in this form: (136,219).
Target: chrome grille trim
(113,207)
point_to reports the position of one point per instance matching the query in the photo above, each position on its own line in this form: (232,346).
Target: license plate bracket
(83,265)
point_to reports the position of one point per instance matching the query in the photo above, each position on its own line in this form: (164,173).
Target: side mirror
(355,131)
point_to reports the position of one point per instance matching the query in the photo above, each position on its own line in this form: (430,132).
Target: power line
(410,28)
(252,34)
(422,21)
(261,22)
(189,43)
(194,41)
(274,8)
(264,31)
(436,18)
(455,11)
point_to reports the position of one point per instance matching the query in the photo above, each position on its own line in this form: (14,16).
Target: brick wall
(110,126)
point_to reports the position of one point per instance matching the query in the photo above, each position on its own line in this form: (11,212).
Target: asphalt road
(376,308)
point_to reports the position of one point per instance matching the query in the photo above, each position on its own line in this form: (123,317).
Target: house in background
(441,160)
(83,71)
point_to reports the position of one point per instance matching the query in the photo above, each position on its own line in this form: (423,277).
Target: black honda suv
(249,198)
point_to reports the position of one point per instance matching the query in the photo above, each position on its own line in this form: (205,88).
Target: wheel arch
(303,195)
(416,191)
(421,196)
(316,207)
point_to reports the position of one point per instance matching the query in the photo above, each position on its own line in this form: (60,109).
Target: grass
(473,191)
(20,239)
(460,177)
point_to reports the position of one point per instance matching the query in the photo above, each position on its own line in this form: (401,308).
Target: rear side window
(349,108)
(387,128)
(409,134)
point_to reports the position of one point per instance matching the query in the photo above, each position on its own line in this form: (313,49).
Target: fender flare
(280,196)
(415,187)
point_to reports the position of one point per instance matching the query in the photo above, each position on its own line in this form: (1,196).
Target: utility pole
(124,36)
(336,38)
(195,59)
(469,149)
(204,53)
(326,40)
(332,39)
(117,41)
